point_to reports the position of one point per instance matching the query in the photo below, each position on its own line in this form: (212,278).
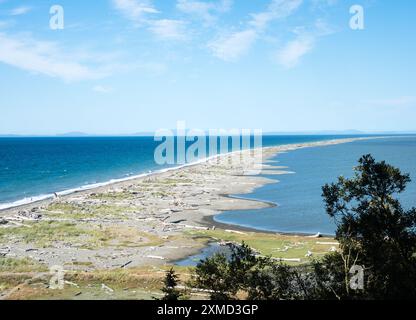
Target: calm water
(34,168)
(208,251)
(300,207)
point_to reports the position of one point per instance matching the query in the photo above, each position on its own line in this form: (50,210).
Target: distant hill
(143,134)
(322,132)
(9,135)
(266,133)
(73,134)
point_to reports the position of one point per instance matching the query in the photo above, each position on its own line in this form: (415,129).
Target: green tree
(374,232)
(226,275)
(170,283)
(242,274)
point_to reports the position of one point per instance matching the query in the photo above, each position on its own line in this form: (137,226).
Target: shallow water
(298,196)
(206,252)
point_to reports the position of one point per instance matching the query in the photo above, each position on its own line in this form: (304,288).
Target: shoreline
(210,222)
(143,221)
(21,203)
(93,186)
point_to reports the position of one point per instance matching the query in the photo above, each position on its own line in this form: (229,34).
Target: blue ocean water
(298,196)
(35,167)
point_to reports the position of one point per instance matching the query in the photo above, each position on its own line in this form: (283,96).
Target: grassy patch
(131,284)
(112,196)
(44,233)
(47,233)
(84,211)
(14,272)
(124,237)
(274,245)
(21,265)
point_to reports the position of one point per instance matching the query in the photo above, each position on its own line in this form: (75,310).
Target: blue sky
(125,66)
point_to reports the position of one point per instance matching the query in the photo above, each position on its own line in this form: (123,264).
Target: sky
(127,66)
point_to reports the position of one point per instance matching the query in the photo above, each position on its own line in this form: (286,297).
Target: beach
(144,221)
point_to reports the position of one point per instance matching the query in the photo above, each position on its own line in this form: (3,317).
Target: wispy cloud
(135,10)
(277,9)
(143,12)
(290,55)
(231,46)
(51,59)
(292,52)
(20,10)
(168,29)
(207,11)
(45,58)
(323,4)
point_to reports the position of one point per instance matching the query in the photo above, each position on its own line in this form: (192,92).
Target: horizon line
(351,132)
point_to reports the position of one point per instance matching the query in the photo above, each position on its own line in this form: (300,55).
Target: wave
(34,199)
(28,200)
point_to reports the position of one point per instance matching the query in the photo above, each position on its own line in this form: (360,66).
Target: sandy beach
(146,221)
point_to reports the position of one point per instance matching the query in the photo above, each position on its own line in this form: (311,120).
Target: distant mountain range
(150,134)
(73,134)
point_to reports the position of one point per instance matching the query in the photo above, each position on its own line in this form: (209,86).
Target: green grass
(20,265)
(43,233)
(274,245)
(84,211)
(128,284)
(47,233)
(113,196)
(123,237)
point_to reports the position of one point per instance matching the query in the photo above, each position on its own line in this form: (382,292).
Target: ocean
(34,168)
(300,208)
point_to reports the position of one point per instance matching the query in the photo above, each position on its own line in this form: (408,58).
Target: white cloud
(292,52)
(204,10)
(20,10)
(41,57)
(140,11)
(290,55)
(277,9)
(231,47)
(102,89)
(168,29)
(135,10)
(321,4)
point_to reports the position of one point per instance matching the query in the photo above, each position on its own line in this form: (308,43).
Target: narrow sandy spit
(139,222)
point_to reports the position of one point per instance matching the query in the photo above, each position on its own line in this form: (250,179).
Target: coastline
(35,199)
(148,218)
(210,222)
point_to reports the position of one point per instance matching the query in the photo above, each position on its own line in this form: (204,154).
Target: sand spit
(145,221)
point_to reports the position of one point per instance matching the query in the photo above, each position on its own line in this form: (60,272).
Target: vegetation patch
(44,233)
(84,211)
(274,245)
(124,237)
(112,196)
(20,265)
(131,284)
